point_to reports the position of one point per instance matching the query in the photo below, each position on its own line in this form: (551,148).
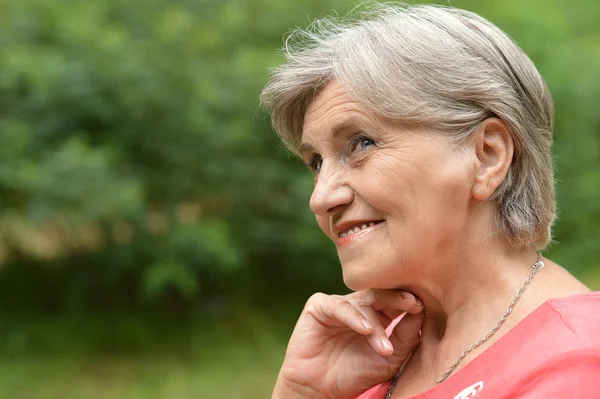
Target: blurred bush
(136,169)
(134,162)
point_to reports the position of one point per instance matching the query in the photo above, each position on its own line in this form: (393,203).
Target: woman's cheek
(323,223)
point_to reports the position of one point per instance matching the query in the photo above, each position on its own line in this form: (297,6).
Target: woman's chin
(358,277)
(358,280)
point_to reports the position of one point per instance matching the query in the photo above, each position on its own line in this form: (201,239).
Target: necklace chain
(536,267)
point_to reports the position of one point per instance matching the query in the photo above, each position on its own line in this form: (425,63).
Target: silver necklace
(536,267)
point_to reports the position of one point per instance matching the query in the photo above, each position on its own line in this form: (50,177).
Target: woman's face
(391,198)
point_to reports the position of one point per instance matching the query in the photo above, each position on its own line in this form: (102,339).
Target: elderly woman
(428,131)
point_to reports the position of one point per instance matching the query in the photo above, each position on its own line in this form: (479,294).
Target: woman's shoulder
(583,301)
(554,352)
(557,353)
(562,328)
(580,315)
(559,325)
(565,306)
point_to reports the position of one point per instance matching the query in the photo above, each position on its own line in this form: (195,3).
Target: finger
(364,297)
(406,337)
(350,316)
(397,299)
(418,308)
(391,304)
(367,298)
(378,339)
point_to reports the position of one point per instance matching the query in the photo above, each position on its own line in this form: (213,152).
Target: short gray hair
(440,67)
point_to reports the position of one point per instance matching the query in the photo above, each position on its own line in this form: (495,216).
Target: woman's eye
(316,163)
(360,143)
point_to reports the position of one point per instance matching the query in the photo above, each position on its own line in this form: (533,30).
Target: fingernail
(367,325)
(407,295)
(387,345)
(418,302)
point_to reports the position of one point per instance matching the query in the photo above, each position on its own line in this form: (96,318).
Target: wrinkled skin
(332,354)
(405,180)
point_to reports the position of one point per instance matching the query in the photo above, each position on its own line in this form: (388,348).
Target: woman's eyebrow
(344,126)
(305,147)
(337,129)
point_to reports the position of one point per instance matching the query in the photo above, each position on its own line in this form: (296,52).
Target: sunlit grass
(221,369)
(244,377)
(238,359)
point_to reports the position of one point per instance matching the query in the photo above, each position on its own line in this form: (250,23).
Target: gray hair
(440,67)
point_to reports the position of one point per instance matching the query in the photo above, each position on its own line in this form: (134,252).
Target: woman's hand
(339,348)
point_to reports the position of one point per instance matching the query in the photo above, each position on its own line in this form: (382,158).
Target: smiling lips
(355,230)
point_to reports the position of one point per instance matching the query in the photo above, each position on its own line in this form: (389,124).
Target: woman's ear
(494,148)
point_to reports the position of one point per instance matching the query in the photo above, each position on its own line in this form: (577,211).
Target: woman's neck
(451,327)
(470,299)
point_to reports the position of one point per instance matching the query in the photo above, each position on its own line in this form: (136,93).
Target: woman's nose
(331,193)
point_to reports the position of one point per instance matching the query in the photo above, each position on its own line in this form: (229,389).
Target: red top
(552,353)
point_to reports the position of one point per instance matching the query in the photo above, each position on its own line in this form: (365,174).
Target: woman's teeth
(356,229)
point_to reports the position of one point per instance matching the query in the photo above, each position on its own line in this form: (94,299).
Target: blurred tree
(135,164)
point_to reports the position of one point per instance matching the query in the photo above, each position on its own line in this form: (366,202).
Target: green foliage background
(155,237)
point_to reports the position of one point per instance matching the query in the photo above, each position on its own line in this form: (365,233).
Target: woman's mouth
(352,233)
